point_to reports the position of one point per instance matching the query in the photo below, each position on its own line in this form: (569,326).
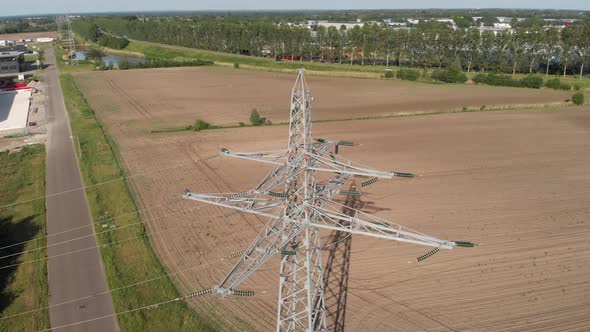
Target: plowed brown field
(26,35)
(177,96)
(516,182)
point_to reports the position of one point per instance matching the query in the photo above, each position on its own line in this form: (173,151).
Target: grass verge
(132,261)
(23,287)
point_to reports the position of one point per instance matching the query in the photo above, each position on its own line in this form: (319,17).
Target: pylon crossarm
(278,177)
(335,220)
(284,172)
(272,240)
(275,157)
(245,202)
(330,188)
(348,167)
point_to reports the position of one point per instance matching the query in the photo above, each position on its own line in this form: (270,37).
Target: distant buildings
(348,25)
(503,24)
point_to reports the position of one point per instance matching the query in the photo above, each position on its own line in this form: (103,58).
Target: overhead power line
(97,233)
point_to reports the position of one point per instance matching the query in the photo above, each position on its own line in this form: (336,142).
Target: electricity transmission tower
(71,42)
(296,198)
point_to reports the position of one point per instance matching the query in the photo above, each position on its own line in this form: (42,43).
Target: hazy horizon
(37,7)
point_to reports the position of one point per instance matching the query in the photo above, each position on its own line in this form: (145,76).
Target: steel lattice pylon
(71,42)
(297,204)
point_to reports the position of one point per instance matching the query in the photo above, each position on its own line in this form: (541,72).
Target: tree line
(24,25)
(426,45)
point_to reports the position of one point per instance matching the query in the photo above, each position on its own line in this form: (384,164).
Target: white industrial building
(14,111)
(337,25)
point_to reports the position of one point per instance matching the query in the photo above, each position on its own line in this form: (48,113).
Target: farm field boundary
(535,107)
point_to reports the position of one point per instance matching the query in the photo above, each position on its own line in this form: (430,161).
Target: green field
(24,287)
(131,261)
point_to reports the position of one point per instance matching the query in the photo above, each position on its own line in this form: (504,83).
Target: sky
(10,7)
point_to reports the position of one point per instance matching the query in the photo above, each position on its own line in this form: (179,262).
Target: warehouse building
(18,48)
(11,62)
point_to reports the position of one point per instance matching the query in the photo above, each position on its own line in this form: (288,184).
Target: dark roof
(11,54)
(20,48)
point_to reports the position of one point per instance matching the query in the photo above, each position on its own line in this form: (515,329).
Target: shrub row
(408,74)
(452,74)
(555,83)
(495,79)
(163,64)
(530,81)
(449,76)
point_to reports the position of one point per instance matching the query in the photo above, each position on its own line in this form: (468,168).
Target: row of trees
(429,44)
(24,25)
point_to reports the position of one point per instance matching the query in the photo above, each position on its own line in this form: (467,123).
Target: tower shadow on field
(338,263)
(337,269)
(12,232)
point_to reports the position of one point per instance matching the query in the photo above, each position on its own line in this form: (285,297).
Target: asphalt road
(80,274)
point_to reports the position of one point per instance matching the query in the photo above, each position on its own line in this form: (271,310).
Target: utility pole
(297,205)
(77,139)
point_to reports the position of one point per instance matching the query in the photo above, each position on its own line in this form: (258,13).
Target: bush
(565,86)
(480,79)
(200,125)
(532,81)
(388,73)
(236,65)
(408,74)
(577,87)
(451,74)
(112,42)
(255,118)
(553,83)
(578,98)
